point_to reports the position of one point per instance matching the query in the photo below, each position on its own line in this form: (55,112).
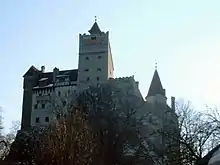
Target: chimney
(55,73)
(137,83)
(173,103)
(42,69)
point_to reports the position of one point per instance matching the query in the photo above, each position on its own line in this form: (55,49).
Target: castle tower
(30,78)
(95,63)
(156,92)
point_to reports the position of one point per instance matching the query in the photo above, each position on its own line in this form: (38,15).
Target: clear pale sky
(182,35)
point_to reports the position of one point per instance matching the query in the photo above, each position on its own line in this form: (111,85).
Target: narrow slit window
(47,119)
(37,119)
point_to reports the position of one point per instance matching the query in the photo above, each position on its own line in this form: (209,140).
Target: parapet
(129,78)
(89,35)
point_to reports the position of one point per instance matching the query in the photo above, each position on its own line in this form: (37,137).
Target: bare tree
(1,122)
(10,137)
(4,148)
(114,128)
(213,115)
(113,114)
(69,141)
(196,134)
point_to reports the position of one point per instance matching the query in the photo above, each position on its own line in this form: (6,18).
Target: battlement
(125,81)
(86,35)
(128,78)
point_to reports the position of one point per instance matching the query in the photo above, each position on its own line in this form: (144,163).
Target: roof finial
(95,19)
(155,65)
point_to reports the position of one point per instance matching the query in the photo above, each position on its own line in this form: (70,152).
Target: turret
(156,92)
(30,80)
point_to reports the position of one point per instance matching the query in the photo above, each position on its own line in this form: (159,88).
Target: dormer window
(93,37)
(99,69)
(86,70)
(99,57)
(87,58)
(42,82)
(87,78)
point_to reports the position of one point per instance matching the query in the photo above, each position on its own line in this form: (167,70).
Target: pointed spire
(95,28)
(156,85)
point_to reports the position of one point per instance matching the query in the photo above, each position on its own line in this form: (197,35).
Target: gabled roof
(31,71)
(95,29)
(156,86)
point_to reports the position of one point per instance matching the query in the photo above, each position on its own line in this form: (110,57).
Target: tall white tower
(95,63)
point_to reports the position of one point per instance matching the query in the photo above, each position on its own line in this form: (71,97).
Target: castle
(95,65)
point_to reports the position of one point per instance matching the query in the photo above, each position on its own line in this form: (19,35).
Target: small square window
(47,119)
(87,78)
(37,119)
(86,70)
(97,78)
(99,57)
(87,58)
(43,105)
(35,106)
(99,69)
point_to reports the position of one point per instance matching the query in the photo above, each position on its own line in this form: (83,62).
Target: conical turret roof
(156,86)
(95,29)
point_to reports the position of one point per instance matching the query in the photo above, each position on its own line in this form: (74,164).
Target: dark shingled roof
(95,29)
(72,74)
(156,86)
(31,71)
